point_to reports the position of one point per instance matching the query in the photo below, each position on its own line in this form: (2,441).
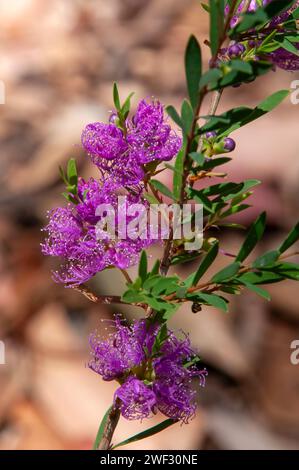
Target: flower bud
(224,146)
(229,144)
(236,50)
(210,135)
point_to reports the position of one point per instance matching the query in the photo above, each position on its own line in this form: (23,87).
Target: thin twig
(126,276)
(103,299)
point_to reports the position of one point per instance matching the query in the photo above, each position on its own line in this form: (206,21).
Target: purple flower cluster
(120,155)
(254,5)
(280,57)
(123,152)
(149,380)
(72,235)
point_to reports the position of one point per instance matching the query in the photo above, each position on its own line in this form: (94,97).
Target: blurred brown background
(58,60)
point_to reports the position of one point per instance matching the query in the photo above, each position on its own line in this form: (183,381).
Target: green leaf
(187,117)
(287,45)
(267,105)
(116,99)
(185,258)
(162,188)
(260,277)
(226,273)
(212,299)
(149,432)
(72,174)
(172,112)
(161,337)
(178,174)
(227,119)
(266,259)
(155,268)
(202,199)
(287,270)
(125,109)
(205,7)
(142,270)
(70,198)
(212,76)
(151,281)
(193,69)
(199,158)
(260,110)
(216,24)
(101,429)
(166,286)
(150,198)
(258,290)
(213,162)
(205,264)
(292,237)
(132,297)
(254,235)
(63,175)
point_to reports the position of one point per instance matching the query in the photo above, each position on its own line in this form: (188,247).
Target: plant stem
(167,254)
(102,299)
(110,426)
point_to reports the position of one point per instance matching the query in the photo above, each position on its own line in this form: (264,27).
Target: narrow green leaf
(172,112)
(193,69)
(266,259)
(155,268)
(149,432)
(101,429)
(210,77)
(226,273)
(162,188)
(199,158)
(214,300)
(258,290)
(216,24)
(166,286)
(161,337)
(72,175)
(185,258)
(142,270)
(63,175)
(126,106)
(132,297)
(150,198)
(254,235)
(260,277)
(187,117)
(292,237)
(260,110)
(178,174)
(205,264)
(116,99)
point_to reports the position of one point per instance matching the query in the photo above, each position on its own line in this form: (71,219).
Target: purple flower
(74,233)
(284,59)
(103,141)
(254,5)
(137,400)
(121,153)
(235,50)
(210,134)
(149,136)
(150,380)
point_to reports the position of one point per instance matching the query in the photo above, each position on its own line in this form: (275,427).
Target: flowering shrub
(156,369)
